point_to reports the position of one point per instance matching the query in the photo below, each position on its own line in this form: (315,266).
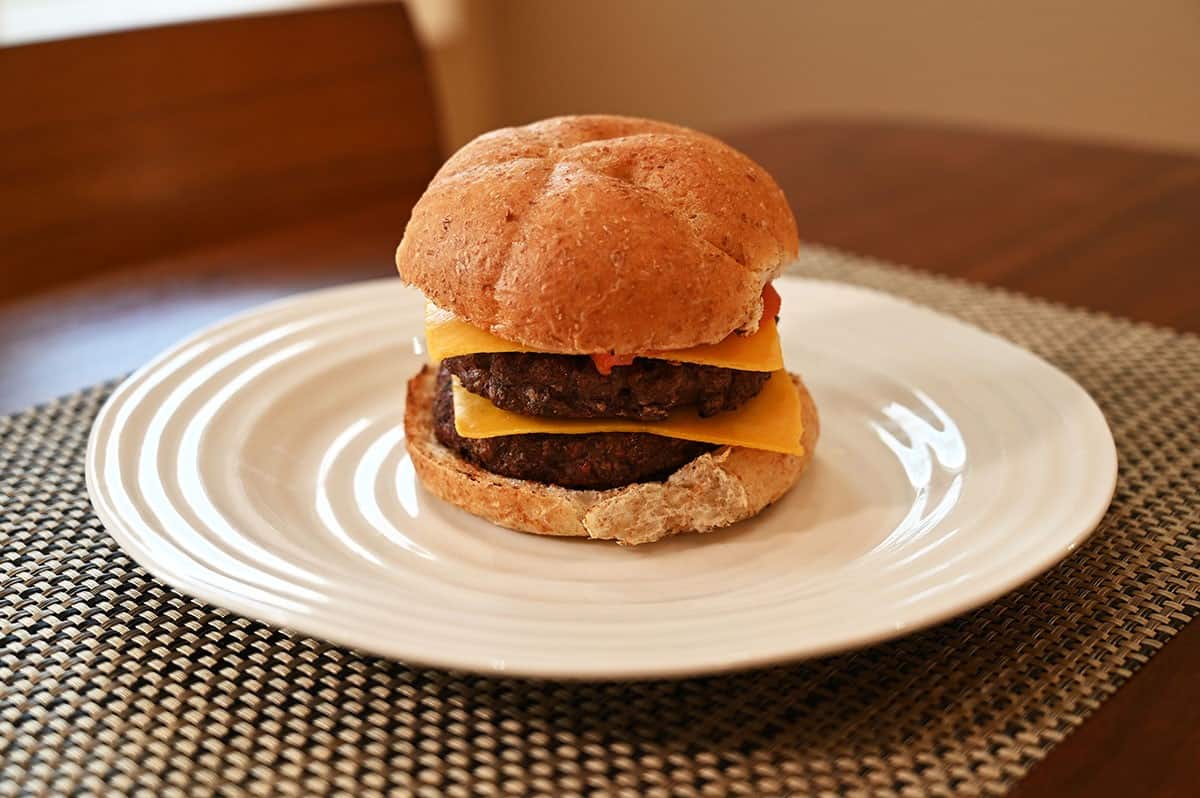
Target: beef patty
(569,386)
(595,461)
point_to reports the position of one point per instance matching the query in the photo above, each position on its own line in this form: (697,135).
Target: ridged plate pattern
(260,465)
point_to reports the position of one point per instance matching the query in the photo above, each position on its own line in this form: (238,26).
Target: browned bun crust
(588,234)
(714,490)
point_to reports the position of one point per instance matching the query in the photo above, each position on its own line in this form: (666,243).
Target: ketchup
(771,302)
(605,362)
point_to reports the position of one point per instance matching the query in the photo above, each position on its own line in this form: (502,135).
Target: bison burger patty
(594,461)
(569,386)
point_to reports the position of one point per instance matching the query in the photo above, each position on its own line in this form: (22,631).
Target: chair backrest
(123,147)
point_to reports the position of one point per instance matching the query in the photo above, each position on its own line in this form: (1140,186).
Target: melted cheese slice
(772,420)
(448,336)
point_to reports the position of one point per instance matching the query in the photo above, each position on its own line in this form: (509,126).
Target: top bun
(590,234)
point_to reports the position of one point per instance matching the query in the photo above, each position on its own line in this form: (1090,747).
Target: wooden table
(1108,228)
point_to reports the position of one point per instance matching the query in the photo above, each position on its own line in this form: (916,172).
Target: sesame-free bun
(715,490)
(589,234)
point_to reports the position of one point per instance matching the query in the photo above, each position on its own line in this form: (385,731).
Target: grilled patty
(595,461)
(569,386)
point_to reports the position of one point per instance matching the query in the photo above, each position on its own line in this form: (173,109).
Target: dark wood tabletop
(1110,228)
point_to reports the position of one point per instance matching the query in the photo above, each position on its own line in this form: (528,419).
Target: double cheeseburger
(601,326)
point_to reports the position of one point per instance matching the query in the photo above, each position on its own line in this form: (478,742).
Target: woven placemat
(113,683)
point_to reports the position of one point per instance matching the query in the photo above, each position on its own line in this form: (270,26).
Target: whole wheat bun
(589,234)
(715,490)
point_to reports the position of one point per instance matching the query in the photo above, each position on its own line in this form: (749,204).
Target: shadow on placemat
(113,681)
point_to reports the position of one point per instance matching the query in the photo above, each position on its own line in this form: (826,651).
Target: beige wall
(1109,69)
(462,39)
(1120,70)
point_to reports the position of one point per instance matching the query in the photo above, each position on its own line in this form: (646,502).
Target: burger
(601,327)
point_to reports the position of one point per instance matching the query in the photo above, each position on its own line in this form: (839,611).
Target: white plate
(260,466)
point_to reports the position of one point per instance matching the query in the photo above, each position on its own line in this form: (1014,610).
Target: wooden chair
(120,148)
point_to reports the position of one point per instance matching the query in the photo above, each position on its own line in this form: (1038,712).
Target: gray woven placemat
(112,682)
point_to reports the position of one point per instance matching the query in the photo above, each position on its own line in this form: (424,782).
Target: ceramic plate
(260,466)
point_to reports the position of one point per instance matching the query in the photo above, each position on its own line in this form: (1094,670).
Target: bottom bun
(715,490)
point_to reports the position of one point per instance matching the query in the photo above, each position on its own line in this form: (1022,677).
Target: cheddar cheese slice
(771,421)
(448,336)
